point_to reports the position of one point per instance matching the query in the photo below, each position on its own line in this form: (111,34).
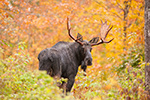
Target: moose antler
(103,33)
(69,32)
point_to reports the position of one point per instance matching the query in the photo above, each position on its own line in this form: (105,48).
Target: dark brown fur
(64,58)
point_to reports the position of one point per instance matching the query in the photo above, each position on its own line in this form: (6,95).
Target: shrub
(18,82)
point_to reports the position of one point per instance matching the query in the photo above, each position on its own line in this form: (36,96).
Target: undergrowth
(17,81)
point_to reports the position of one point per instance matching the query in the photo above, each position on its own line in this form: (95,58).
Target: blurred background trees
(41,24)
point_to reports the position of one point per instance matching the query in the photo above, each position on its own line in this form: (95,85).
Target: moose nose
(89,61)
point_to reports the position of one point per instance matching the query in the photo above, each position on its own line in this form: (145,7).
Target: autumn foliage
(29,26)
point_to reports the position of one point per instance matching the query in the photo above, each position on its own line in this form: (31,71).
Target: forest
(29,26)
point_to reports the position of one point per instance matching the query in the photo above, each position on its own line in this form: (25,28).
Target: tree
(147,45)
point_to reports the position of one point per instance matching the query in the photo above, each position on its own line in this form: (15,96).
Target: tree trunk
(126,11)
(147,46)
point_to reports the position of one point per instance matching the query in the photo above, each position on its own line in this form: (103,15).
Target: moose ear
(79,37)
(94,40)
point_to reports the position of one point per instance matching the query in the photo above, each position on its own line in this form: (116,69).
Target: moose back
(64,58)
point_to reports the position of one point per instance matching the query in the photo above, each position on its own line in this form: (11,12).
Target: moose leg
(63,86)
(70,83)
(57,78)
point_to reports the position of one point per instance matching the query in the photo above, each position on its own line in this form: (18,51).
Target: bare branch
(108,10)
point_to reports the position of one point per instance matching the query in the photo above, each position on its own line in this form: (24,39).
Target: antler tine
(69,28)
(103,34)
(108,31)
(69,32)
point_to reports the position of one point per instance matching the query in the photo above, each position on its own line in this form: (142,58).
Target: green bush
(18,82)
(133,57)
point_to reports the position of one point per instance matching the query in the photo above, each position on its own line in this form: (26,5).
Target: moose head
(86,46)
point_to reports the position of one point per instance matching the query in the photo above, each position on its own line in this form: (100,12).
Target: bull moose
(64,58)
